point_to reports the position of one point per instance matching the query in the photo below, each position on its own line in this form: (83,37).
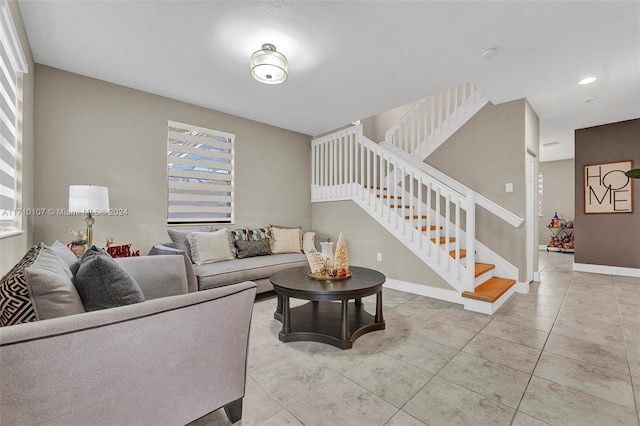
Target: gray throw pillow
(103,284)
(253,248)
(65,254)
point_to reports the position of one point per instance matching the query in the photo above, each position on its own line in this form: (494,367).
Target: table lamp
(88,199)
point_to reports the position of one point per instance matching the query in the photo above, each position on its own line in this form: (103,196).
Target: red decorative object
(122,251)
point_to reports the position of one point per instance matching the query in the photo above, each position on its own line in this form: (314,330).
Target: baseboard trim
(607,270)
(424,290)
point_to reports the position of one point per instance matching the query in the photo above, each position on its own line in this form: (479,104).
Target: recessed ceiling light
(489,53)
(587,80)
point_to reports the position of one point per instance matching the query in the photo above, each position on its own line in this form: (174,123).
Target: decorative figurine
(79,243)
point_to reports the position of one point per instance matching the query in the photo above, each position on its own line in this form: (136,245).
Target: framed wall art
(607,189)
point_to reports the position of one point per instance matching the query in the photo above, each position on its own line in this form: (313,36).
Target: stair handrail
(484,202)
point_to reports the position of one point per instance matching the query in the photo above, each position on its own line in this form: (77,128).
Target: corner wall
(609,239)
(13,248)
(89,131)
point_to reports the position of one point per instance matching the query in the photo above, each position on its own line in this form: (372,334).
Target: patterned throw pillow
(15,304)
(253,248)
(256,234)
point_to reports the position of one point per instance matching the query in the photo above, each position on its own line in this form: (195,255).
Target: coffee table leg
(379,317)
(344,321)
(286,315)
(358,301)
(279,306)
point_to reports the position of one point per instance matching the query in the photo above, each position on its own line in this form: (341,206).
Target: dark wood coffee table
(328,317)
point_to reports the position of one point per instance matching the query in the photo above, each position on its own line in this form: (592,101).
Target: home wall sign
(607,189)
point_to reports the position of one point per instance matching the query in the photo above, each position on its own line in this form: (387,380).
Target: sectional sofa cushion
(15,304)
(50,285)
(210,247)
(65,254)
(253,248)
(103,284)
(213,275)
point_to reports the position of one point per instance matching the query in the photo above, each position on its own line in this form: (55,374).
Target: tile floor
(567,353)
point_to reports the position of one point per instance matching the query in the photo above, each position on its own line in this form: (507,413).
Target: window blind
(200,174)
(12,62)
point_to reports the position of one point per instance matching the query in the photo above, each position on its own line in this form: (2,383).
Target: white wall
(558,194)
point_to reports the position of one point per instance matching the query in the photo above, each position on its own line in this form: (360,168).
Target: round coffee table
(328,317)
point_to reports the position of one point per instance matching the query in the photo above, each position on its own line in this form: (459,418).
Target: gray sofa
(169,360)
(212,275)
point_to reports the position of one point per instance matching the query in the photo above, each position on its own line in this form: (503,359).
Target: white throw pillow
(286,240)
(210,247)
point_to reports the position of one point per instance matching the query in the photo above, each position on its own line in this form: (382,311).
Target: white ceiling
(349,60)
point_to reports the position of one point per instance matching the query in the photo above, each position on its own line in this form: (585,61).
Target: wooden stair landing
(490,290)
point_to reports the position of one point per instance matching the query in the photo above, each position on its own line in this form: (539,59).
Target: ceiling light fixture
(588,80)
(489,53)
(269,66)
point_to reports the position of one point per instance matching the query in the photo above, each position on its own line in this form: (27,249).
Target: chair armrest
(192,279)
(158,276)
(164,361)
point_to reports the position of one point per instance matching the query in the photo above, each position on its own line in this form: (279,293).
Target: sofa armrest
(164,361)
(166,249)
(158,276)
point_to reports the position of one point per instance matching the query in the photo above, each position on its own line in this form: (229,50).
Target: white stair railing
(346,165)
(431,121)
(422,210)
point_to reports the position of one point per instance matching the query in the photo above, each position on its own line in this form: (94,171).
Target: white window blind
(12,62)
(200,174)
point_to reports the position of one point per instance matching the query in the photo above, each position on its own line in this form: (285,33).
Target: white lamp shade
(88,198)
(268,65)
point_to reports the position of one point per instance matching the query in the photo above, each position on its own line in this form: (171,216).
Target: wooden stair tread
(482,268)
(389,196)
(424,228)
(408,217)
(490,290)
(443,240)
(375,187)
(395,206)
(463,253)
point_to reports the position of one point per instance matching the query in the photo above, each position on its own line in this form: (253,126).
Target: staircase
(429,213)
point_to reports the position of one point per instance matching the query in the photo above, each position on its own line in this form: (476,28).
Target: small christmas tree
(341,259)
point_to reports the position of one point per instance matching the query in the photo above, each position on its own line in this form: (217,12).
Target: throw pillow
(253,248)
(64,253)
(103,284)
(257,234)
(51,288)
(235,235)
(286,240)
(15,303)
(210,247)
(179,237)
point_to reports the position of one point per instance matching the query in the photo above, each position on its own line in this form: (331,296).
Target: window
(540,192)
(12,62)
(200,174)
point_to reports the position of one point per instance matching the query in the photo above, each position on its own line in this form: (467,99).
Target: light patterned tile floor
(566,353)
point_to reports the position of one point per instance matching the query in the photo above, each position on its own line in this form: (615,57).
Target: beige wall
(558,194)
(92,132)
(485,154)
(375,127)
(365,238)
(13,248)
(610,239)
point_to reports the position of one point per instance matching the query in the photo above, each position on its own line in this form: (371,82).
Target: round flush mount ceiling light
(269,66)
(587,80)
(489,53)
